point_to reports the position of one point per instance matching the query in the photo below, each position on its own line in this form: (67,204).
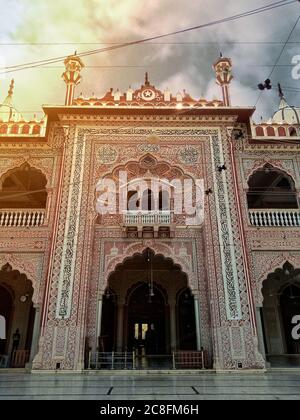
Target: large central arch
(147,296)
(182,258)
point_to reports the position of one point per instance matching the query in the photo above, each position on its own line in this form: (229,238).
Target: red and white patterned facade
(69,255)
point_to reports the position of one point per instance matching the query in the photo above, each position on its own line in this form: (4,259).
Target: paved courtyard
(271,386)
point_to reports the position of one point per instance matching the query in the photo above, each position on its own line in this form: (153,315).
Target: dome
(286,114)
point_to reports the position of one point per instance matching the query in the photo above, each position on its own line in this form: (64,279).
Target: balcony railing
(147,218)
(275,218)
(22,217)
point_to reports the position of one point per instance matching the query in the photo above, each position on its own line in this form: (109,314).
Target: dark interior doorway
(107,340)
(290,307)
(6,308)
(146,321)
(186,321)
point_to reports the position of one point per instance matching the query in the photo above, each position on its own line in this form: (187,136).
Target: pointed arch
(23,187)
(271,188)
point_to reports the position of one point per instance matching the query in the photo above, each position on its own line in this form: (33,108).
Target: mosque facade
(149,227)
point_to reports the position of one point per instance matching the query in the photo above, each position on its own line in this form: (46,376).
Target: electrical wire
(192,43)
(280,55)
(142,41)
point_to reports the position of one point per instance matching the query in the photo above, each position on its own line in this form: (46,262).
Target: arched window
(3,129)
(270,132)
(148,203)
(259,131)
(14,129)
(270,188)
(133,203)
(281,132)
(36,129)
(25,129)
(24,187)
(164,200)
(293,132)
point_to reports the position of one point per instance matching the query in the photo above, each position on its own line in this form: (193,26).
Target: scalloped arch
(158,250)
(18,166)
(24,268)
(261,164)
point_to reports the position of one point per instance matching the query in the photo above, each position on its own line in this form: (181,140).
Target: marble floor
(269,386)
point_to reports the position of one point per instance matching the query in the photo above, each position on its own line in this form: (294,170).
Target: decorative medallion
(148,95)
(149,148)
(189,156)
(107,154)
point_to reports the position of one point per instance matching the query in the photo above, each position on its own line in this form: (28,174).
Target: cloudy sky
(32,30)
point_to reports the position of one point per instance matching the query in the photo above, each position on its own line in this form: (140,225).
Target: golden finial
(146,79)
(11,87)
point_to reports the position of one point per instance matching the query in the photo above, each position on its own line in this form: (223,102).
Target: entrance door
(146,321)
(6,307)
(290,306)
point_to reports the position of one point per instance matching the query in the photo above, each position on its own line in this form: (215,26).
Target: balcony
(275,218)
(148,218)
(148,224)
(22,218)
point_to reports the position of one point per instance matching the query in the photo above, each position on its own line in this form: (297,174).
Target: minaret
(72,76)
(224,77)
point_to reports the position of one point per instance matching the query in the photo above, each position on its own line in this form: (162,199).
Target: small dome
(9,113)
(286,114)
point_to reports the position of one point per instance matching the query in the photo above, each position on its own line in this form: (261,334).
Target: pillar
(260,333)
(98,321)
(173,326)
(120,329)
(198,323)
(36,333)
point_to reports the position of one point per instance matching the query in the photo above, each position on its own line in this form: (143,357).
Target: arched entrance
(6,310)
(148,307)
(16,307)
(281,292)
(290,307)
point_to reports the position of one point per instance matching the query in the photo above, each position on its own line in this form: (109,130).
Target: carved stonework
(189,156)
(107,155)
(29,264)
(252,165)
(267,262)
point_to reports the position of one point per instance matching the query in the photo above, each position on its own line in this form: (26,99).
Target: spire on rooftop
(7,109)
(147,83)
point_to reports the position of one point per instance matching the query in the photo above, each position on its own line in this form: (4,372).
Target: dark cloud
(181,62)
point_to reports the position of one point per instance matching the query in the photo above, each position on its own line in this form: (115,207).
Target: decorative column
(98,321)
(36,333)
(198,323)
(120,329)
(173,326)
(72,76)
(224,77)
(260,333)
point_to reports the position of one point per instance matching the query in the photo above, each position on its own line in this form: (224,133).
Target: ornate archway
(281,303)
(16,306)
(146,286)
(181,257)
